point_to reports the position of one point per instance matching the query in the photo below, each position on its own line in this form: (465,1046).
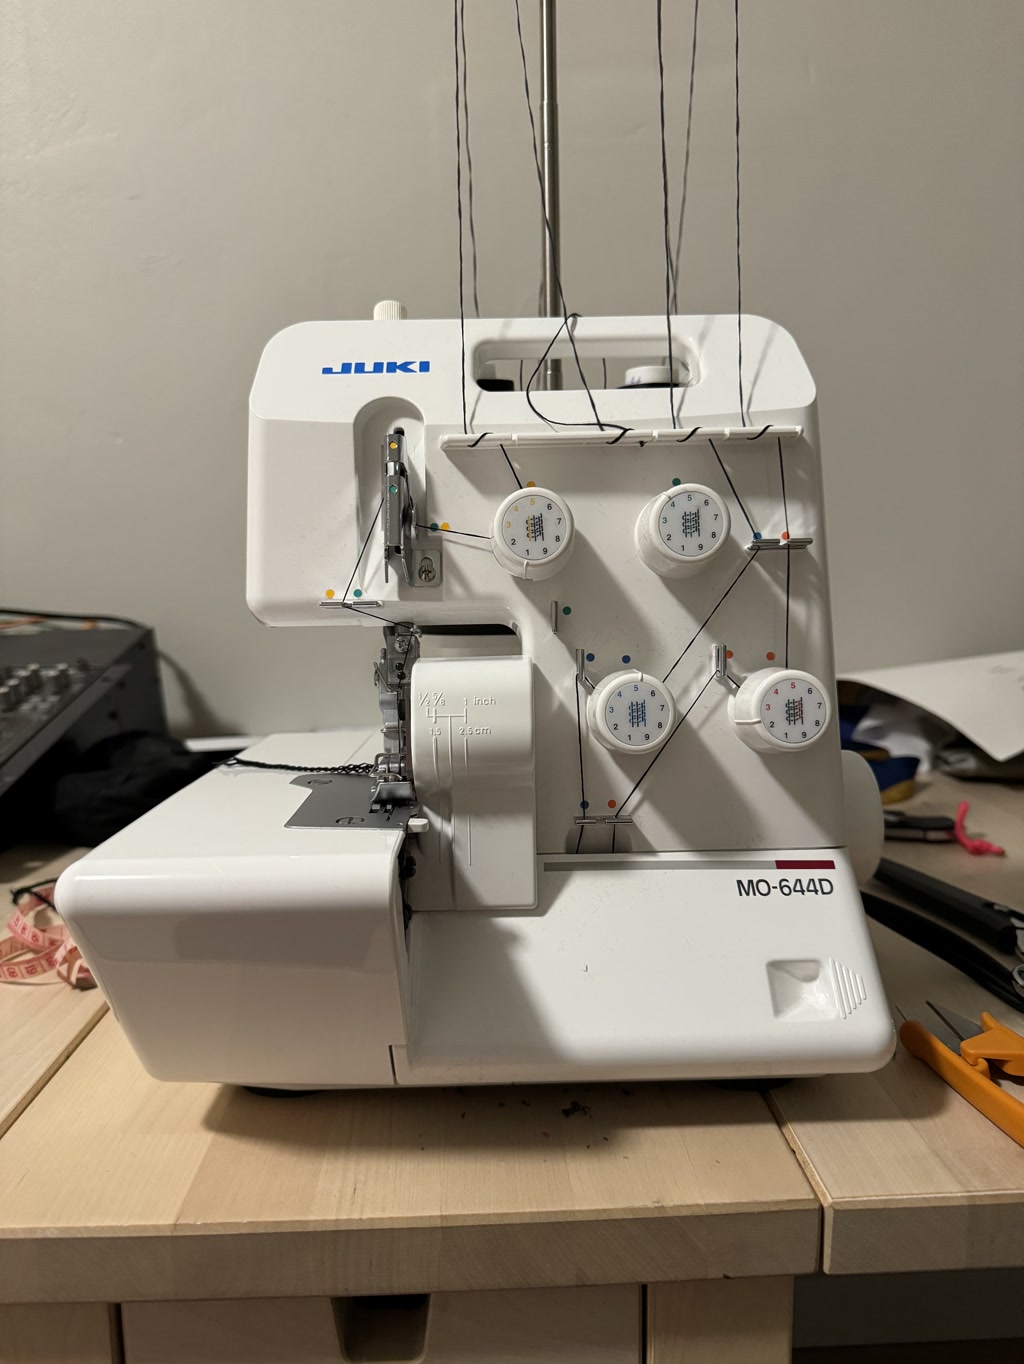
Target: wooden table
(909,1175)
(230,1226)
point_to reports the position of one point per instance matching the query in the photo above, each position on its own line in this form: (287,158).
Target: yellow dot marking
(531,484)
(329,593)
(393,445)
(445,525)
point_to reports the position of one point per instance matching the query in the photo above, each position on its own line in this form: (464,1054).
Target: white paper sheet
(981,697)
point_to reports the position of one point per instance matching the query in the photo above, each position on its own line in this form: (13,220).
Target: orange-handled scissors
(980,1046)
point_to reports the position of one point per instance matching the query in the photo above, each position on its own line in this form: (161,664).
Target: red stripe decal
(805,866)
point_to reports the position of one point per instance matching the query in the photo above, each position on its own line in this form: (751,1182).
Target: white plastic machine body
(608,838)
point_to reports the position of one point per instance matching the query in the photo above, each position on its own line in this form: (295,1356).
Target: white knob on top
(389,310)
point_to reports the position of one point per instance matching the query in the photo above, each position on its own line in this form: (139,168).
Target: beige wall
(181,178)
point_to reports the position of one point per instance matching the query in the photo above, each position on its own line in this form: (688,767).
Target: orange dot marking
(445,525)
(785,535)
(329,593)
(531,484)
(612,804)
(770,656)
(728,653)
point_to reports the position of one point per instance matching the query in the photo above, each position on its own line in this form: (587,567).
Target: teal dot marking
(433,525)
(676,482)
(358,592)
(566,610)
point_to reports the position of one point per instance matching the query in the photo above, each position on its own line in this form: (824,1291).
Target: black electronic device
(65,686)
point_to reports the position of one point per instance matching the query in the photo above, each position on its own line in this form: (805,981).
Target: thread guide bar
(491,440)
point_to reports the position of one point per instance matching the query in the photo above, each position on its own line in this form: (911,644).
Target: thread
(661,750)
(707,618)
(547,228)
(739,270)
(458,198)
(735,494)
(469,160)
(677,262)
(355,570)
(665,213)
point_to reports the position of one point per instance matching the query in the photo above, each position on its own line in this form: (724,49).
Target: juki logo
(379,367)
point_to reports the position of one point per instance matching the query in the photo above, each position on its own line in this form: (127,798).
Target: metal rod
(552,301)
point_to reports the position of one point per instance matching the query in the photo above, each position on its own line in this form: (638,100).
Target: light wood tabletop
(41,1024)
(120,1187)
(910,1176)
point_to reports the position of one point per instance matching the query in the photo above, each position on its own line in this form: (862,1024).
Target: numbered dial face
(631,712)
(794,711)
(533,531)
(681,530)
(534,527)
(692,522)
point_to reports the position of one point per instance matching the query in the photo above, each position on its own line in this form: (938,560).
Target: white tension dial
(532,533)
(779,710)
(680,530)
(631,712)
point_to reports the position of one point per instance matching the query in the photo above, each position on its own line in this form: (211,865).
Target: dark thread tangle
(739,272)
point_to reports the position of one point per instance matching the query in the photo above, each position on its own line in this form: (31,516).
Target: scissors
(964,1053)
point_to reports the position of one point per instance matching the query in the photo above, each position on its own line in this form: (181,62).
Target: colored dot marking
(566,610)
(626,658)
(612,804)
(785,535)
(531,484)
(757,535)
(590,658)
(445,525)
(676,482)
(728,653)
(770,656)
(358,592)
(434,526)
(393,445)
(392,488)
(329,593)
(584,804)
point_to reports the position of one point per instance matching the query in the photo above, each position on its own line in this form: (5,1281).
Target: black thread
(547,229)
(363,611)
(789,551)
(34,890)
(565,325)
(482,436)
(458,196)
(665,215)
(510,465)
(665,745)
(732,485)
(579,739)
(469,158)
(345,770)
(739,275)
(763,432)
(707,618)
(686,162)
(440,530)
(604,373)
(355,570)
(788,566)
(683,439)
(782,480)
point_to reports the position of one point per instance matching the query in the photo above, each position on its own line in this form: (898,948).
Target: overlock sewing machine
(606,829)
